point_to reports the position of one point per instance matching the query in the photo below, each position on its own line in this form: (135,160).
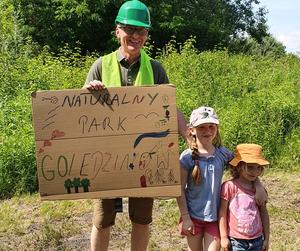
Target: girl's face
(205,133)
(250,171)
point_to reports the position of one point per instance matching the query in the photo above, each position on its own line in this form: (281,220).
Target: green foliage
(289,155)
(20,77)
(56,22)
(268,47)
(11,31)
(256,98)
(212,23)
(17,158)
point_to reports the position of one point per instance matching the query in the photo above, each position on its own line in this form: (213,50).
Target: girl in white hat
(243,224)
(202,166)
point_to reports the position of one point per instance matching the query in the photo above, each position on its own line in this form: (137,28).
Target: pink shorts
(201,227)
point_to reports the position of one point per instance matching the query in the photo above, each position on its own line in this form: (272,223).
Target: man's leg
(100,239)
(139,237)
(140,213)
(103,218)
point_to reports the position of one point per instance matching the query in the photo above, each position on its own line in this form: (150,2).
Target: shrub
(22,76)
(256,98)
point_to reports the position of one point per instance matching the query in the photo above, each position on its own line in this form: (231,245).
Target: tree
(212,22)
(58,22)
(268,46)
(91,22)
(85,183)
(68,185)
(76,184)
(11,33)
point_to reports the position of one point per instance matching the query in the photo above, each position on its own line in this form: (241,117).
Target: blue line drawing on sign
(151,135)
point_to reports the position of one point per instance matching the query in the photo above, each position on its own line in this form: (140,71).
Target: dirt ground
(74,232)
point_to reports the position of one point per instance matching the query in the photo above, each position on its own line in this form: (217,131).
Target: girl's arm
(266,226)
(225,243)
(261,195)
(187,224)
(182,126)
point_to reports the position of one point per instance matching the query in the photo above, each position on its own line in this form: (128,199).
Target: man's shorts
(139,209)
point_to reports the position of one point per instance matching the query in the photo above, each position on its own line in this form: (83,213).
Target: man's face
(132,38)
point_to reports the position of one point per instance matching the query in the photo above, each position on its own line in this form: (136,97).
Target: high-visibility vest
(111,75)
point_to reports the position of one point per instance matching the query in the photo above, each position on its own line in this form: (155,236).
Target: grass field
(29,224)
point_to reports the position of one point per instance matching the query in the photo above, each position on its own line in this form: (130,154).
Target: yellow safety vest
(111,76)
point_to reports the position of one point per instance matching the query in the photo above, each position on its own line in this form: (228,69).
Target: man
(127,66)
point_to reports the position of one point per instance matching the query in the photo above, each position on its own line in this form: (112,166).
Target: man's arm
(93,78)
(182,125)
(94,72)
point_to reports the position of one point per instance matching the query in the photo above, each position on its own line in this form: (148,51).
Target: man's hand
(95,85)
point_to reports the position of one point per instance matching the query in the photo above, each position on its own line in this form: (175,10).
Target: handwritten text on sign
(121,142)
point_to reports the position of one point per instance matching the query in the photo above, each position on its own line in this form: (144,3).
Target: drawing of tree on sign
(85,183)
(76,184)
(68,185)
(158,176)
(171,177)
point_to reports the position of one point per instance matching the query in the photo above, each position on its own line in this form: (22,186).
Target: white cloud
(291,40)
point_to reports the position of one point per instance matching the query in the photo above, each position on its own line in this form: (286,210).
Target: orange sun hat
(249,153)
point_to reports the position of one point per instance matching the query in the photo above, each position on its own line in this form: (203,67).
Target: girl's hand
(265,246)
(95,85)
(225,244)
(187,225)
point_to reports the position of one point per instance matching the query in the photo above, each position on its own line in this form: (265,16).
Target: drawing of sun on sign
(118,143)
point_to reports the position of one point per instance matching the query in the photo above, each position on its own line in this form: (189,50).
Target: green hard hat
(134,13)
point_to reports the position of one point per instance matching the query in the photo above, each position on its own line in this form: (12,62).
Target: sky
(283,19)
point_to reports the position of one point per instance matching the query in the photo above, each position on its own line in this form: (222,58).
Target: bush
(20,78)
(256,98)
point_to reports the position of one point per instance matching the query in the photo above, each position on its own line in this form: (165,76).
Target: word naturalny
(118,142)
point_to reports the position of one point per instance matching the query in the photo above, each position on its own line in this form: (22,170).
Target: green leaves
(19,78)
(213,23)
(256,98)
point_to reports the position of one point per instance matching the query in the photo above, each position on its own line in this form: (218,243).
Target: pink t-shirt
(243,217)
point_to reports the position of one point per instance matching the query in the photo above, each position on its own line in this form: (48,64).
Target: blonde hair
(196,173)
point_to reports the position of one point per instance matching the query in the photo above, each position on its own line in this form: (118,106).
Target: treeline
(238,25)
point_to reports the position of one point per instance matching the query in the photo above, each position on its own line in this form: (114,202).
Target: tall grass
(257,100)
(20,78)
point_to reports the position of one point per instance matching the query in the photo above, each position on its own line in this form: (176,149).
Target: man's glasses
(130,30)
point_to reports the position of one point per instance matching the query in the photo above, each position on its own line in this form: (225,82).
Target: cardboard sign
(115,143)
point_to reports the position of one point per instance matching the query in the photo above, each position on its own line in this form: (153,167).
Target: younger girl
(243,224)
(202,168)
